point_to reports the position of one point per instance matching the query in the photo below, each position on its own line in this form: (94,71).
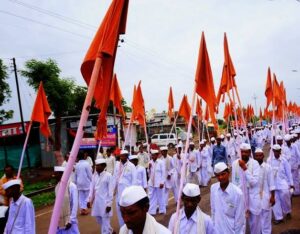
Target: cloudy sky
(161,43)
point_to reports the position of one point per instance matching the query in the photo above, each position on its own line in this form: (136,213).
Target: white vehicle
(164,139)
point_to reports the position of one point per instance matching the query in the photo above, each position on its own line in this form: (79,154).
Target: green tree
(5,93)
(59,91)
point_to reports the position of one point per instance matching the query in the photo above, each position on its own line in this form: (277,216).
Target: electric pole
(255,97)
(20,108)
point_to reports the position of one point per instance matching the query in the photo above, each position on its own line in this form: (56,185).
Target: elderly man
(219,152)
(134,205)
(156,183)
(227,203)
(283,183)
(266,193)
(68,222)
(245,175)
(21,218)
(101,196)
(124,176)
(191,218)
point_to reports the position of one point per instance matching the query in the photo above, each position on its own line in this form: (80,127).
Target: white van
(164,139)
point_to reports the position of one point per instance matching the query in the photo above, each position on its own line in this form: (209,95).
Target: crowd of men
(250,186)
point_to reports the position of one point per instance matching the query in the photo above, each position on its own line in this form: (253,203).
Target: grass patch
(43,199)
(31,187)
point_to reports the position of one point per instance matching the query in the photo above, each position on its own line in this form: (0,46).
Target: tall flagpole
(75,148)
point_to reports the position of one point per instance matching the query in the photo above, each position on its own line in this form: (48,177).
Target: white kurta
(227,209)
(25,220)
(205,166)
(189,226)
(141,176)
(83,175)
(110,164)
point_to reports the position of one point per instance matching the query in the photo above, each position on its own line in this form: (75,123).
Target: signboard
(12,129)
(108,141)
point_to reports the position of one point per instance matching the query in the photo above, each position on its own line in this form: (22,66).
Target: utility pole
(255,97)
(20,108)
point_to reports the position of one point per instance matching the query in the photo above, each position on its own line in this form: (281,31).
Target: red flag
(41,111)
(104,46)
(204,80)
(171,103)
(116,95)
(185,109)
(206,115)
(260,113)
(269,90)
(199,108)
(138,106)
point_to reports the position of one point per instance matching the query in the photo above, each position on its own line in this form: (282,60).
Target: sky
(160,46)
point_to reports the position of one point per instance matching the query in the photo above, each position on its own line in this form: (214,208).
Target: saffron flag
(138,106)
(116,95)
(204,80)
(185,109)
(41,111)
(199,108)
(277,92)
(269,90)
(104,46)
(171,103)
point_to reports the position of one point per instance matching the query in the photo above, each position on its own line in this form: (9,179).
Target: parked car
(164,139)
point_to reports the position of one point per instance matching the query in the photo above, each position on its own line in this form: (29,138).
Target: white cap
(192,143)
(222,136)
(258,150)
(235,134)
(276,147)
(145,144)
(154,151)
(245,146)
(212,139)
(131,157)
(228,135)
(295,135)
(219,167)
(124,152)
(204,140)
(59,168)
(287,137)
(290,128)
(191,190)
(11,183)
(297,131)
(100,161)
(279,138)
(132,195)
(163,148)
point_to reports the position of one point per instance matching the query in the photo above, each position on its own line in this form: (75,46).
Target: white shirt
(266,185)
(83,175)
(227,209)
(250,186)
(169,169)
(282,173)
(141,176)
(25,221)
(157,173)
(124,176)
(110,164)
(295,157)
(205,160)
(101,193)
(193,160)
(189,226)
(230,148)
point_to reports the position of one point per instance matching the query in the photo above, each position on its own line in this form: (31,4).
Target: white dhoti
(156,197)
(254,223)
(283,203)
(104,222)
(83,198)
(295,174)
(266,221)
(120,218)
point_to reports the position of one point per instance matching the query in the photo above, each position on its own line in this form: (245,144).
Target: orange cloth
(104,46)
(3,180)
(269,90)
(116,95)
(171,103)
(199,108)
(41,111)
(204,80)
(185,109)
(138,106)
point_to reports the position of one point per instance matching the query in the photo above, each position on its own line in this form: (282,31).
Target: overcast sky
(161,43)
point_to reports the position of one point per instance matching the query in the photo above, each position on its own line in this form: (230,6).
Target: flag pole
(127,133)
(146,134)
(183,168)
(98,150)
(75,148)
(23,150)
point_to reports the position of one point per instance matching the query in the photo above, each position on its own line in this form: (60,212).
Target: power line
(44,24)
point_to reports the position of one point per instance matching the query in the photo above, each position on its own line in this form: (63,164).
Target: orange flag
(138,106)
(229,63)
(185,109)
(199,108)
(282,89)
(226,111)
(277,92)
(204,80)
(269,90)
(104,46)
(260,113)
(41,111)
(171,103)
(116,95)
(206,115)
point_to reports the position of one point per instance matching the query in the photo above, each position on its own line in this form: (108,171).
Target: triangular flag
(185,109)
(116,95)
(269,90)
(170,103)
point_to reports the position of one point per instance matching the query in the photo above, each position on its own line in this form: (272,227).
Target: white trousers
(156,197)
(266,221)
(254,223)
(295,174)
(205,176)
(83,197)
(120,218)
(105,224)
(282,203)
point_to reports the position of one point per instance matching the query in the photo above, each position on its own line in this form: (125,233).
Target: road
(87,224)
